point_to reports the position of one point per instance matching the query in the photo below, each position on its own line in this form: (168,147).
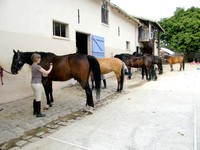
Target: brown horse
(145,62)
(108,65)
(77,66)
(174,60)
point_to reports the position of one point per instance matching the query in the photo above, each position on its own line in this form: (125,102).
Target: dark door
(82,43)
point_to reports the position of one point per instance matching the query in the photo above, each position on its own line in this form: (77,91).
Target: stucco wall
(27,26)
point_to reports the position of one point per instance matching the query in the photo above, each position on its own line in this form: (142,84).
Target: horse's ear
(14,51)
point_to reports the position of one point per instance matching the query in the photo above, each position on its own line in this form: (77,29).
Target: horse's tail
(122,77)
(94,66)
(183,62)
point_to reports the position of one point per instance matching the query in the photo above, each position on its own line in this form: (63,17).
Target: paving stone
(6,136)
(40,133)
(27,137)
(17,131)
(15,148)
(62,123)
(3,147)
(34,139)
(21,143)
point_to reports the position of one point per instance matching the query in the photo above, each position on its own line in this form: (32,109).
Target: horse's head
(17,62)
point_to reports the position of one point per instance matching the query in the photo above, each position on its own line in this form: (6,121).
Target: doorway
(81,43)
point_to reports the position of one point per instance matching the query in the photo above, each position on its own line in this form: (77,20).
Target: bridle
(19,62)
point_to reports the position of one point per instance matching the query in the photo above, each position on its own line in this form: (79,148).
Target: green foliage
(182,30)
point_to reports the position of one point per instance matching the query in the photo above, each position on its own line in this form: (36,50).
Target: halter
(19,62)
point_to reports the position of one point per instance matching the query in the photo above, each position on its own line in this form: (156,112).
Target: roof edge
(114,6)
(153,21)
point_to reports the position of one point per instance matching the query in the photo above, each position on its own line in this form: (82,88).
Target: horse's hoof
(118,91)
(88,109)
(45,108)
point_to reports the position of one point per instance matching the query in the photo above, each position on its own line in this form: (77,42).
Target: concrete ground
(157,115)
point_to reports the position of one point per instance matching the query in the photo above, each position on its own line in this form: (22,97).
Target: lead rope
(1,74)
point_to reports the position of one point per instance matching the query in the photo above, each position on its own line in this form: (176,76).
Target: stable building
(95,27)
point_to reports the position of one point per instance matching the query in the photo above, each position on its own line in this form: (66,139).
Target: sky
(154,9)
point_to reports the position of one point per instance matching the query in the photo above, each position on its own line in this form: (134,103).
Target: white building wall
(27,25)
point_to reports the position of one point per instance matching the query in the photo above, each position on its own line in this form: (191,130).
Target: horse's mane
(45,54)
(27,55)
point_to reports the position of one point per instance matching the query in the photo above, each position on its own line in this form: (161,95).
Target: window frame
(128,46)
(60,35)
(104,14)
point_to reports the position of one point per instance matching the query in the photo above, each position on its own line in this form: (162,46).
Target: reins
(1,74)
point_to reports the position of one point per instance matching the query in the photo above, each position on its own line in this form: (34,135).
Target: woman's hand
(45,75)
(51,65)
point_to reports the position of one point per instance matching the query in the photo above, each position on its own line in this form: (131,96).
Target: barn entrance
(82,43)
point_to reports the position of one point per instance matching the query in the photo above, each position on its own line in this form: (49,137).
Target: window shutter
(98,48)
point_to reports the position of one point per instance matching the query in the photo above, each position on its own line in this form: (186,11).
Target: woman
(36,83)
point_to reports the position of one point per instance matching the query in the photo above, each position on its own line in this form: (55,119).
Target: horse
(65,67)
(174,60)
(156,60)
(143,62)
(108,65)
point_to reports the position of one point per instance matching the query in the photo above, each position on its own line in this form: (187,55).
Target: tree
(182,30)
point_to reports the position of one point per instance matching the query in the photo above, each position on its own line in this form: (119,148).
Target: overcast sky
(154,9)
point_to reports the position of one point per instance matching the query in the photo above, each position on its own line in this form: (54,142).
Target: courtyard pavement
(18,125)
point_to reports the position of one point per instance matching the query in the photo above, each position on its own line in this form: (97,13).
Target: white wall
(27,25)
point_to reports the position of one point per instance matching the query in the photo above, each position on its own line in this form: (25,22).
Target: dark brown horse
(174,60)
(143,62)
(156,60)
(77,66)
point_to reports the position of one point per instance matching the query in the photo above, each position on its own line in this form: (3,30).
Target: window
(127,45)
(78,16)
(60,29)
(104,13)
(118,31)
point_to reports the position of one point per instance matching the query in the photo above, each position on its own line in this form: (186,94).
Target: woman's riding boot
(104,83)
(34,107)
(38,109)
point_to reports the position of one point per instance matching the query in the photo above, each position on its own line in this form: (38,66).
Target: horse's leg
(159,69)
(147,70)
(1,80)
(171,66)
(88,91)
(180,66)
(147,73)
(143,70)
(129,72)
(118,81)
(45,84)
(51,91)
(104,83)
